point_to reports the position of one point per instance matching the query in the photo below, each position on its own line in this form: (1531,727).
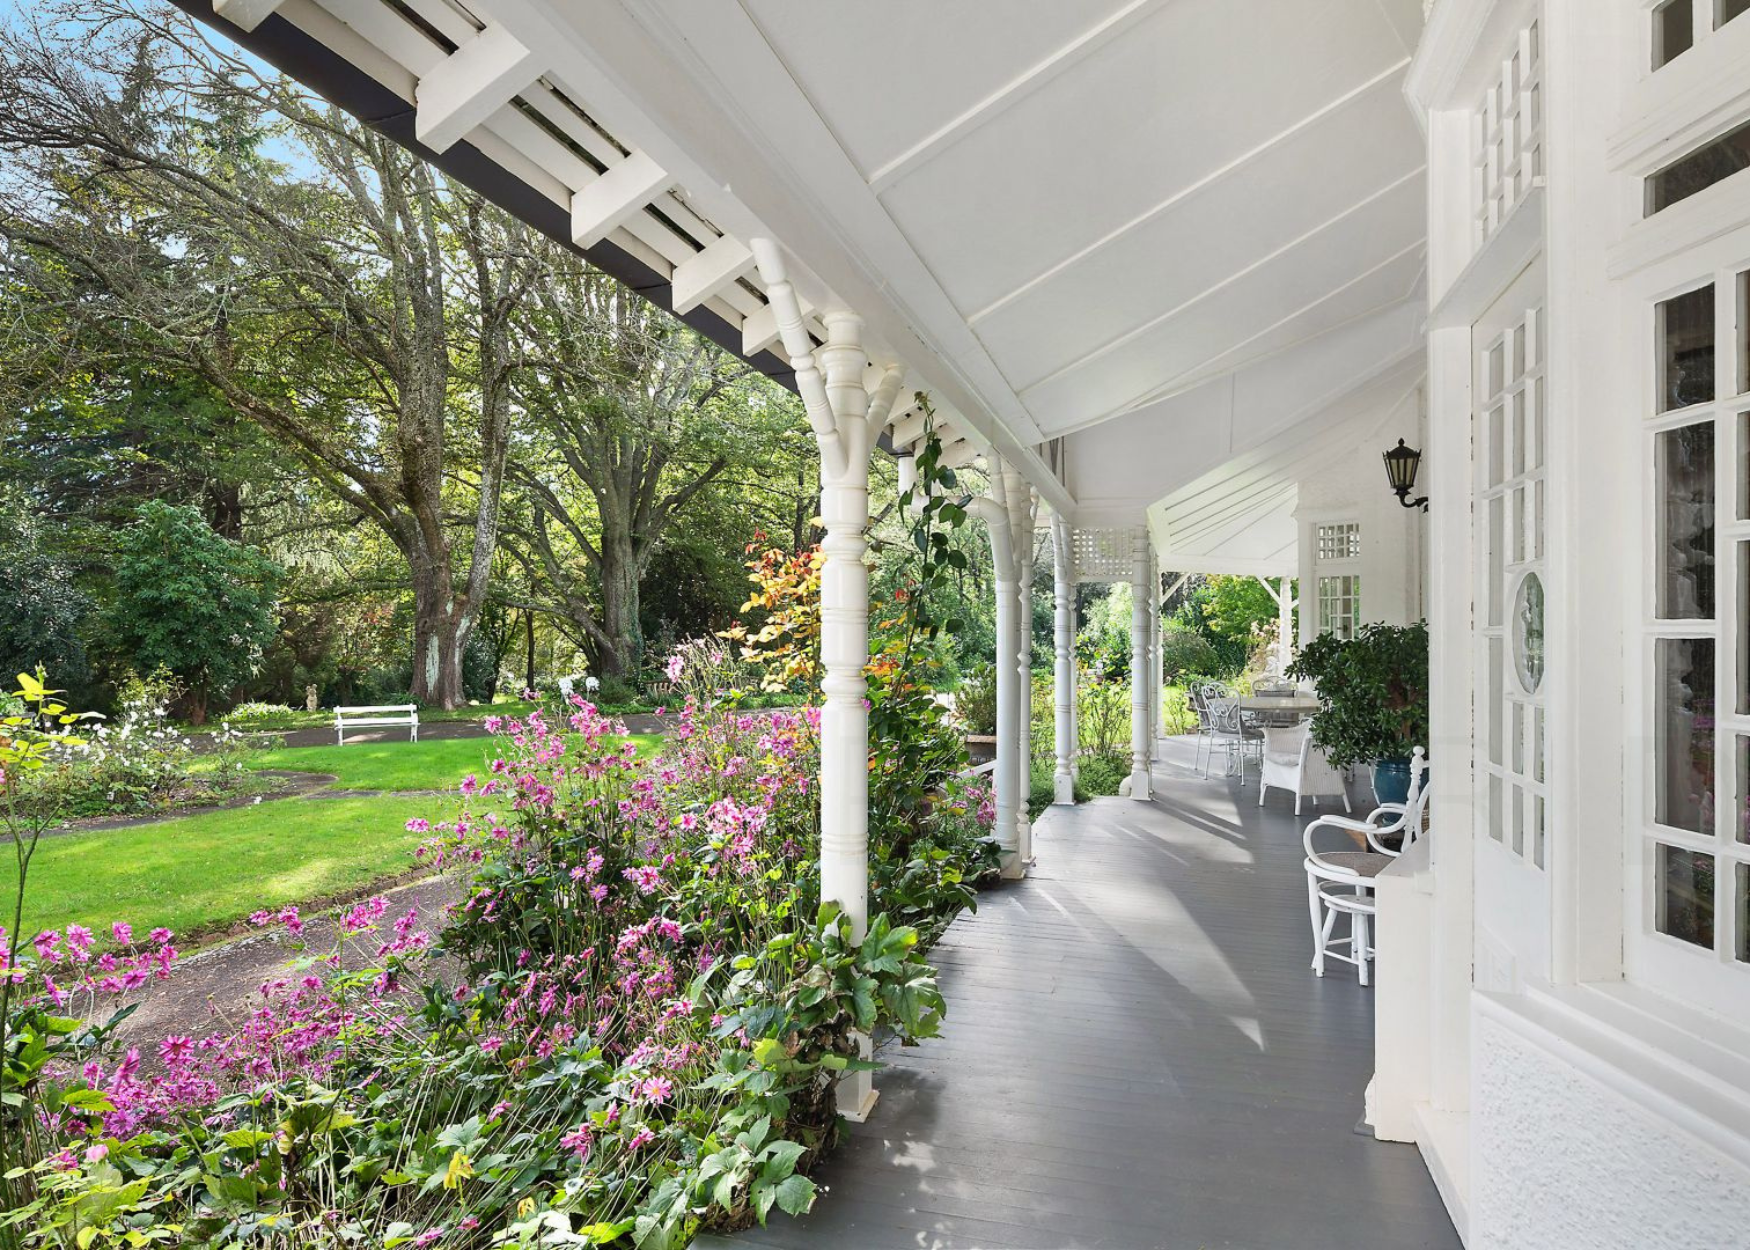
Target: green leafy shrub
(975,702)
(1373,692)
(1101,775)
(1183,651)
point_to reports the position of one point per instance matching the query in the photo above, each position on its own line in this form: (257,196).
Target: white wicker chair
(1291,762)
(1342,880)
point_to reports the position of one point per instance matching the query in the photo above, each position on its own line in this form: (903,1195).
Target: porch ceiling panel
(1177,97)
(1339,162)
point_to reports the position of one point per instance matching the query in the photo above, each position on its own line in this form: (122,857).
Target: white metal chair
(1291,762)
(1230,728)
(1341,881)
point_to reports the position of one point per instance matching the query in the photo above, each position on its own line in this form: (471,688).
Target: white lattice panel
(1104,555)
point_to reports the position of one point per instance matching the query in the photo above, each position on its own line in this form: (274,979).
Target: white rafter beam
(611,200)
(959,454)
(470,85)
(698,279)
(245,14)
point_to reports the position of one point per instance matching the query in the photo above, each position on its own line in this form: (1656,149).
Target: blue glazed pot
(1391,780)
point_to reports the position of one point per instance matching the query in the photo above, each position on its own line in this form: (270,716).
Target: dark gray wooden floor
(1136,1055)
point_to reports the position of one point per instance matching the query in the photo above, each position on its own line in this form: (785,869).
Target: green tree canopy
(191,601)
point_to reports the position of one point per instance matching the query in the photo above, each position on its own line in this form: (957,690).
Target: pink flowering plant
(628,1029)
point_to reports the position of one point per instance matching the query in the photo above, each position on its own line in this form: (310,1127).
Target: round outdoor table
(1299,704)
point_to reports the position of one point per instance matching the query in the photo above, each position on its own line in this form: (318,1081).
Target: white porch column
(1141,737)
(1064,672)
(994,512)
(1284,625)
(1154,661)
(1018,495)
(845,418)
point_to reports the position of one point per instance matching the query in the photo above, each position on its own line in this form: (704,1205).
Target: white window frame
(1715,980)
(1324,569)
(1705,23)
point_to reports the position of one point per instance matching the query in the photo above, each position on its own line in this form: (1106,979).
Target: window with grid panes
(1339,604)
(1678,25)
(1695,849)
(1508,135)
(1340,541)
(1510,437)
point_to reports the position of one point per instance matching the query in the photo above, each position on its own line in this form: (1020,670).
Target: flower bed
(628,1031)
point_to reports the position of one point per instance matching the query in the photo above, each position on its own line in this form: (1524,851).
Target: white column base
(1141,788)
(1065,790)
(856,1092)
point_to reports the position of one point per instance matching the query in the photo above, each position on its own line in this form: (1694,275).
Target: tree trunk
(619,571)
(529,677)
(441,625)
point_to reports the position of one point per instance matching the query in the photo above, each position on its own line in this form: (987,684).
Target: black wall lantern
(1401,463)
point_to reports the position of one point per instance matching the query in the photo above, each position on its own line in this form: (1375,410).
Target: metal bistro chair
(1341,882)
(1199,700)
(1236,732)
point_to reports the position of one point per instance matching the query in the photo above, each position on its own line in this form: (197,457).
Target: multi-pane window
(1673,31)
(1679,24)
(1508,141)
(1510,506)
(1697,839)
(1339,605)
(1339,541)
(1714,161)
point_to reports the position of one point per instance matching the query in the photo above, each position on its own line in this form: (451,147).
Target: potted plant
(975,707)
(1373,697)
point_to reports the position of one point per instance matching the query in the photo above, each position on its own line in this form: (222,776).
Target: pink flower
(175,1049)
(419,825)
(642,1138)
(162,936)
(124,933)
(675,667)
(657,1088)
(577,1141)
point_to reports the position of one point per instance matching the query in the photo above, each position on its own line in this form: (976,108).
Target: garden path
(1136,1055)
(214,989)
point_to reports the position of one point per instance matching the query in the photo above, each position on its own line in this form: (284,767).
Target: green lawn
(200,872)
(204,872)
(431,765)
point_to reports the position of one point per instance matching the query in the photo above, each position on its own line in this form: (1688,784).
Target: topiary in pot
(1373,696)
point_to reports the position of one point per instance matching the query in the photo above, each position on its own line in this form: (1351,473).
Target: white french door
(1510,448)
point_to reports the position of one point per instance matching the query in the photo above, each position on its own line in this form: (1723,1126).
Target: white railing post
(1064,672)
(1141,738)
(845,417)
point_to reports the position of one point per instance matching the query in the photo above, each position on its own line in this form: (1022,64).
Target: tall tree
(169,203)
(631,416)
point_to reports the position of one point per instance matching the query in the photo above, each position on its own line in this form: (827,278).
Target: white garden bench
(380,714)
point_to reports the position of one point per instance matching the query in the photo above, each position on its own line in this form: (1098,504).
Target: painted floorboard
(1137,1056)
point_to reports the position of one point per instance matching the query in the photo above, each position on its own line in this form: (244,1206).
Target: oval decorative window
(1528,632)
